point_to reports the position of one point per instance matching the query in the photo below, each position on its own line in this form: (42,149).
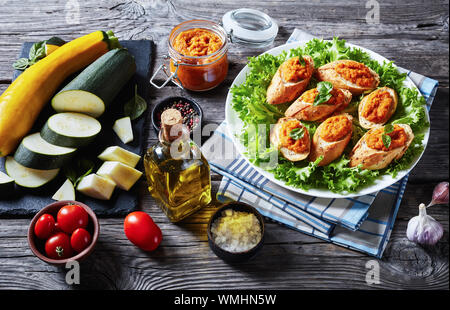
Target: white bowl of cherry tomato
(63,231)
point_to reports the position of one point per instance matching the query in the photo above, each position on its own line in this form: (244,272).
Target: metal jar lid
(250,27)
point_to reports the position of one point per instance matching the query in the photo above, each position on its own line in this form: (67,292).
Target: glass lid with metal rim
(250,27)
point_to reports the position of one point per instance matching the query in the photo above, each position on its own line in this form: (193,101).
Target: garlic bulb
(423,228)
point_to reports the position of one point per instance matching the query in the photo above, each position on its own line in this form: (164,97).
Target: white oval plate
(235,125)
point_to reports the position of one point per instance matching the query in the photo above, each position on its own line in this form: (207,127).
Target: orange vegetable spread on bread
(336,99)
(294,71)
(374,138)
(355,72)
(377,107)
(297,146)
(197,42)
(335,128)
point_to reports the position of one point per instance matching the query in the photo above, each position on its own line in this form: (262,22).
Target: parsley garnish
(297,133)
(324,93)
(385,137)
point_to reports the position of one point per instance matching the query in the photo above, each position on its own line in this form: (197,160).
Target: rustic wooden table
(413,33)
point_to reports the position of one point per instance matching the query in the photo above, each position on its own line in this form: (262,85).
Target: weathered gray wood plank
(414,34)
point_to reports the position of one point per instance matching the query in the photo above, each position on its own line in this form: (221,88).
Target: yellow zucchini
(24,99)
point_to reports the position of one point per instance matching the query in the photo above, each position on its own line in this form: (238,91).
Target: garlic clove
(440,194)
(424,229)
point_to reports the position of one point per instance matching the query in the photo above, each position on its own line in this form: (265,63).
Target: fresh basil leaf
(323,87)
(324,93)
(388,128)
(135,106)
(386,140)
(21,64)
(297,133)
(37,51)
(78,170)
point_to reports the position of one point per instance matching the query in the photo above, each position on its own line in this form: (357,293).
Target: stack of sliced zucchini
(40,155)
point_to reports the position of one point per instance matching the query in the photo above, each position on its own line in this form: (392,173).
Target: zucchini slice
(65,192)
(124,176)
(97,85)
(70,129)
(122,127)
(28,177)
(34,152)
(6,184)
(116,153)
(96,186)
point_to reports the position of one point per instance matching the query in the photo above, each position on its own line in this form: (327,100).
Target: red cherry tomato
(80,239)
(57,228)
(58,246)
(142,231)
(71,217)
(45,226)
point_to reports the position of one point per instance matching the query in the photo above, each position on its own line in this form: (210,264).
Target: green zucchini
(6,184)
(70,129)
(97,85)
(116,153)
(28,177)
(96,186)
(65,192)
(122,127)
(34,152)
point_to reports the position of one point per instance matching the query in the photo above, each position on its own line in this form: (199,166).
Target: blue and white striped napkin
(346,222)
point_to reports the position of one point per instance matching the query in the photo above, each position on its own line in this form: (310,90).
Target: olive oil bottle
(178,175)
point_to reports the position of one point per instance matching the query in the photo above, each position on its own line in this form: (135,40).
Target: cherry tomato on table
(80,239)
(45,226)
(58,246)
(142,231)
(71,217)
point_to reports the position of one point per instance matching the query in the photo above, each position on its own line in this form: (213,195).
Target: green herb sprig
(385,137)
(135,106)
(297,133)
(324,93)
(78,170)
(37,52)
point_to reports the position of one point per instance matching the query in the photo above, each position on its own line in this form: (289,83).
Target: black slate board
(26,202)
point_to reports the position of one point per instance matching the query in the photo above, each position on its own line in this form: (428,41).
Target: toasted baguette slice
(280,91)
(365,123)
(328,73)
(306,111)
(329,150)
(275,139)
(372,159)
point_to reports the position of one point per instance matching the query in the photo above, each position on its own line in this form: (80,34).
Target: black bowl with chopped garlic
(190,110)
(236,232)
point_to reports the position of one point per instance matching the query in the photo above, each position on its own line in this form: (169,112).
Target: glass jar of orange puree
(198,49)
(198,55)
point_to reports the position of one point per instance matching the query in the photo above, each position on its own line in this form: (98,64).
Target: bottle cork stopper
(171,124)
